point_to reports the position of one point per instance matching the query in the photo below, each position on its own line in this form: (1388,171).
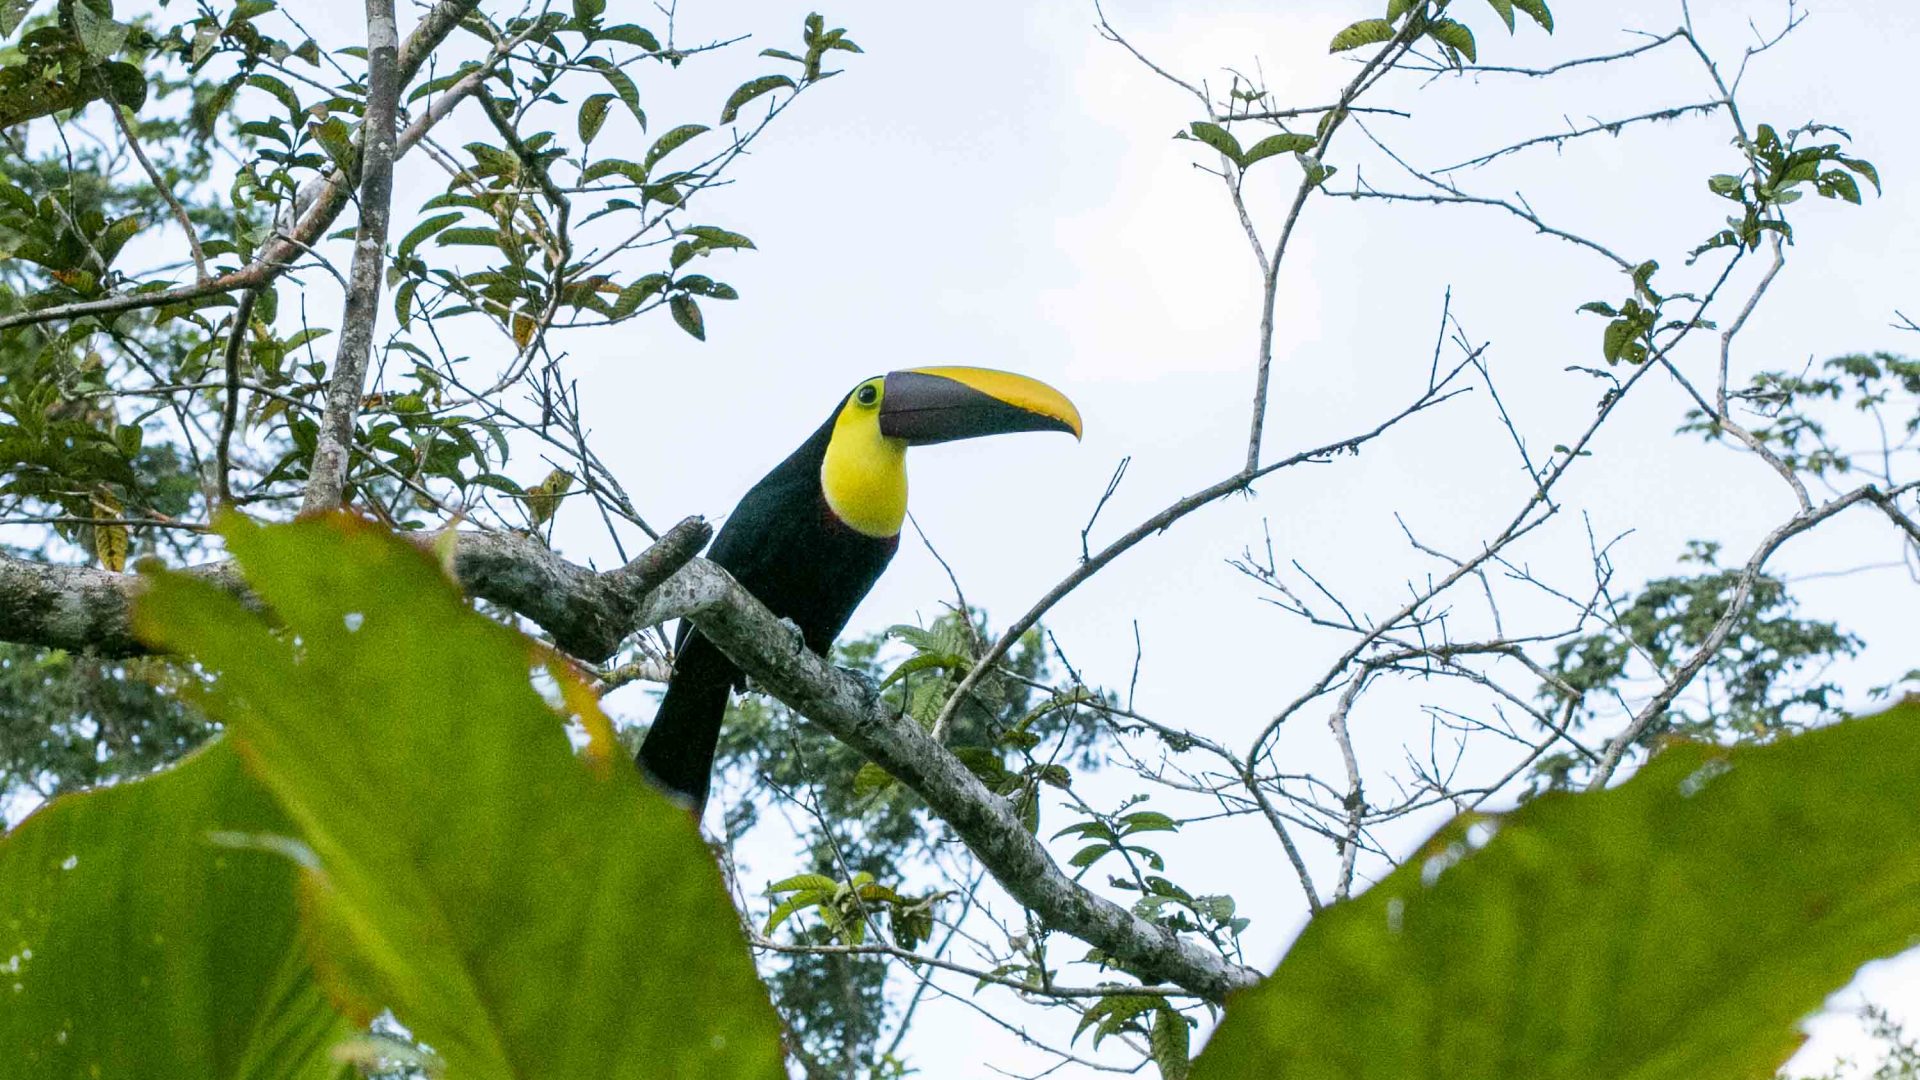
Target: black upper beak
(932,405)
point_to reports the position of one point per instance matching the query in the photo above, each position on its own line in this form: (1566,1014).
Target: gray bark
(770,651)
(327,479)
(588,614)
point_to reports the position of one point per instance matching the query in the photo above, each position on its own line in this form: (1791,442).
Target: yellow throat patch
(864,473)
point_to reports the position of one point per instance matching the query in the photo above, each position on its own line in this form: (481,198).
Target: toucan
(814,534)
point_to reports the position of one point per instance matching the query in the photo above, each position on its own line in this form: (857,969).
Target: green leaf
(335,138)
(1504,8)
(1219,138)
(747,91)
(1112,1013)
(613,167)
(687,313)
(1537,10)
(99,34)
(1397,8)
(138,946)
(593,113)
(1454,36)
(419,233)
(510,901)
(715,237)
(12,14)
(1864,168)
(434,86)
(471,236)
(1677,926)
(1619,334)
(623,86)
(871,779)
(638,293)
(587,11)
(671,141)
(1725,185)
(281,92)
(629,34)
(1167,1043)
(819,882)
(1836,184)
(1364,32)
(788,908)
(925,662)
(1284,143)
(120,230)
(1089,855)
(1147,821)
(543,499)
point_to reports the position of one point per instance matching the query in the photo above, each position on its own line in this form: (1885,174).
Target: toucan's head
(864,473)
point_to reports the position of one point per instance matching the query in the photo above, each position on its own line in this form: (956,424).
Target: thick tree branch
(588,614)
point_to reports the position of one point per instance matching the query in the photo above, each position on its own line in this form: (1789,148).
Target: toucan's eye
(867,394)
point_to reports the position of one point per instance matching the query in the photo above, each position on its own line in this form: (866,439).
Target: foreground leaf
(1677,926)
(133,945)
(525,911)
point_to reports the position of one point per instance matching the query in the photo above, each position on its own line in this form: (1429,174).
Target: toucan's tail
(678,751)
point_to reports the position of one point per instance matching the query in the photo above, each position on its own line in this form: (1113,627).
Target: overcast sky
(996,185)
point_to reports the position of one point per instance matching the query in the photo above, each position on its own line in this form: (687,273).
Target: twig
(230,407)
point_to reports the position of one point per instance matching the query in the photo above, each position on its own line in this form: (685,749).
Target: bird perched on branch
(814,535)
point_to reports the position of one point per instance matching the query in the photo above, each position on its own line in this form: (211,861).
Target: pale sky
(998,186)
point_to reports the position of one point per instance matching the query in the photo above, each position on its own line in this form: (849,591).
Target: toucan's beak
(939,404)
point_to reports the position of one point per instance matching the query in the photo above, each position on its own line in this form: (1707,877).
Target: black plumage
(786,547)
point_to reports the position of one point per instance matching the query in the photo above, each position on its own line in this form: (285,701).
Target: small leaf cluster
(1167,1031)
(1776,173)
(1631,327)
(997,743)
(1303,147)
(1426,18)
(535,276)
(844,907)
(1109,835)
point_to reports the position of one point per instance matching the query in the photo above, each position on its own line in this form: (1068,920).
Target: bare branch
(1160,522)
(327,476)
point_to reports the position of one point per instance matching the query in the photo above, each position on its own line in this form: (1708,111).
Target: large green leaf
(1677,926)
(132,945)
(524,910)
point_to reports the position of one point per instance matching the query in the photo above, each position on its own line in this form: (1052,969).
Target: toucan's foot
(798,637)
